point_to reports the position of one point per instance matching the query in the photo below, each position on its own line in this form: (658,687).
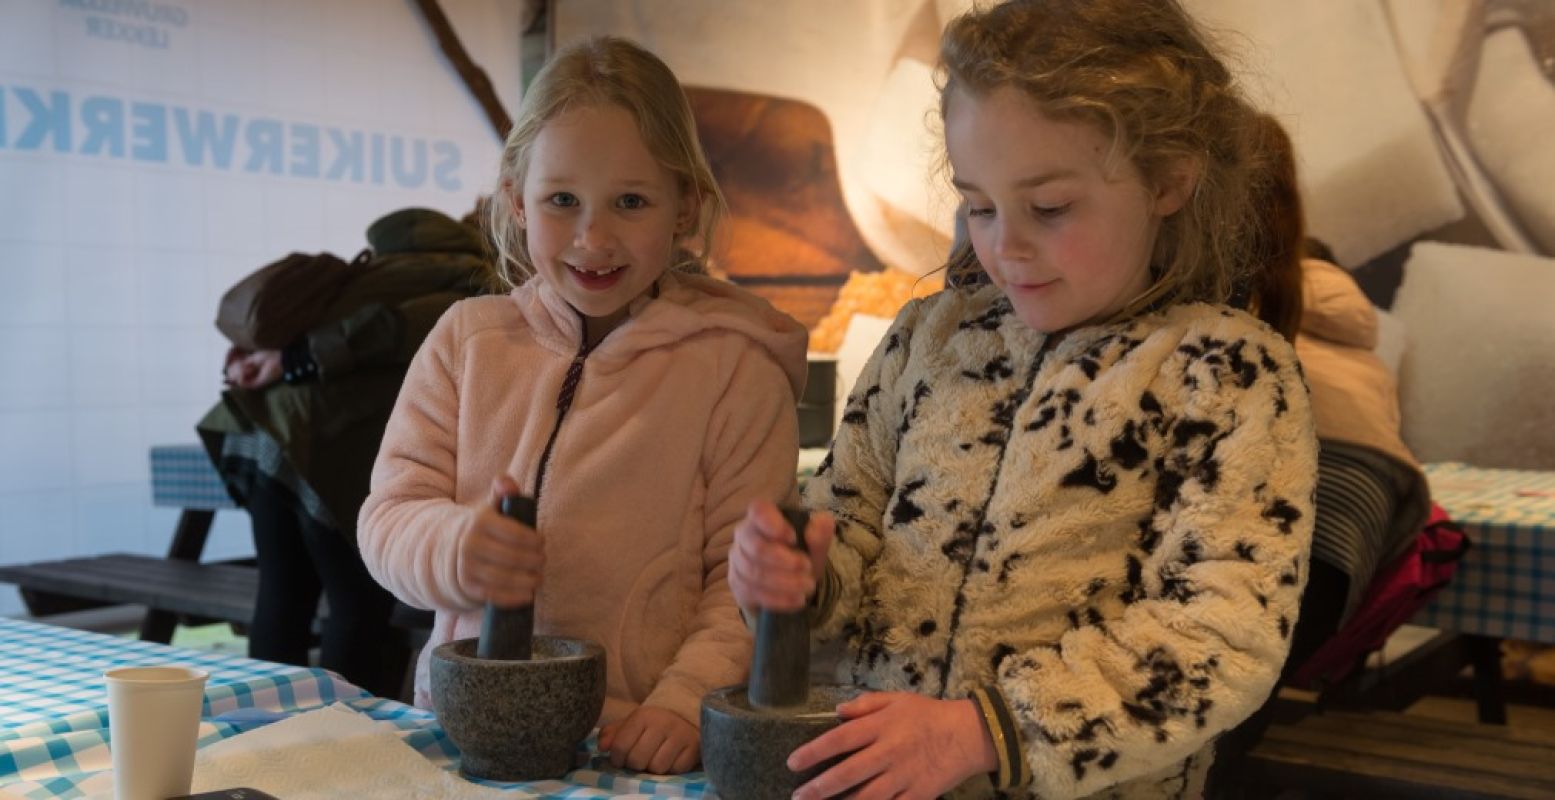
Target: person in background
(1366,473)
(1372,498)
(295,434)
(1072,507)
(642,407)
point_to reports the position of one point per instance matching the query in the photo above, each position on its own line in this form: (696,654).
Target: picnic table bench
(176,588)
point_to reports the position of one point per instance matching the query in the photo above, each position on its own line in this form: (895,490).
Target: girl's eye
(564,200)
(632,202)
(1050,212)
(975,212)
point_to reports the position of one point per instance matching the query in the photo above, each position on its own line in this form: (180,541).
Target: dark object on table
(818,406)
(516,704)
(244,793)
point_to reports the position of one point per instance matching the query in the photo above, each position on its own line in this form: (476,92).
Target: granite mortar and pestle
(516,704)
(749,731)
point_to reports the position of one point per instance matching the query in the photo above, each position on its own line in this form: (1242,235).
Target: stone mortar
(745,750)
(519,720)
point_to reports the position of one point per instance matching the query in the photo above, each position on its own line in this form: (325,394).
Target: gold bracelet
(996,733)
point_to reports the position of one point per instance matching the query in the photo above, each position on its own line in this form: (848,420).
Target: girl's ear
(690,212)
(516,201)
(1178,183)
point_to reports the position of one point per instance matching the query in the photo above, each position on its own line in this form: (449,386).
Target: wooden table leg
(194,525)
(1489,692)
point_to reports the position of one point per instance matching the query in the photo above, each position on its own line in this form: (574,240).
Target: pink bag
(1396,593)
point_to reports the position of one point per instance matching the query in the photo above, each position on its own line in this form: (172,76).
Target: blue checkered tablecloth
(51,679)
(182,477)
(1505,585)
(54,718)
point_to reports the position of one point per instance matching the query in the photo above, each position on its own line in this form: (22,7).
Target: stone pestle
(507,634)
(780,669)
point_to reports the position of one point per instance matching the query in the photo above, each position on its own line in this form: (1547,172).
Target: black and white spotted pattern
(1112,528)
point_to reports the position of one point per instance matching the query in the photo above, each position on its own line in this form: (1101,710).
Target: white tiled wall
(111,266)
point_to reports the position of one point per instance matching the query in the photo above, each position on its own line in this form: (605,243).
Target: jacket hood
(420,230)
(686,305)
(1334,307)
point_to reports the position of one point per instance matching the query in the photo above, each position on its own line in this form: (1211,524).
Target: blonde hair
(606,70)
(1141,71)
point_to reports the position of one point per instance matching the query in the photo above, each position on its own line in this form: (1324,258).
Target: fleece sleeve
(751,450)
(410,526)
(1212,596)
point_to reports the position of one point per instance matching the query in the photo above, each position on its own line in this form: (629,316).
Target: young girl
(643,407)
(1073,506)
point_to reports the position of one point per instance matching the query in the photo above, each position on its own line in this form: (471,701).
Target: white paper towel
(328,753)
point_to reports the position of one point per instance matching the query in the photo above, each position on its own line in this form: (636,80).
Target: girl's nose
(1010,241)
(593,233)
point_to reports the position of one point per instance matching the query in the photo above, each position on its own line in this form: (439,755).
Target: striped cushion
(1354,524)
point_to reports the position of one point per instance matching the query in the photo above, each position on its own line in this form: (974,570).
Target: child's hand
(652,740)
(898,744)
(501,559)
(766,570)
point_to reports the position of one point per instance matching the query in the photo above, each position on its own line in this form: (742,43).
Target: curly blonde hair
(1144,73)
(606,70)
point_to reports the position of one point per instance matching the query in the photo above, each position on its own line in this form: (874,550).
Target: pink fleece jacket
(684,414)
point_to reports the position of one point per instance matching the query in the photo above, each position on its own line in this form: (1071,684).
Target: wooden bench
(178,588)
(173,590)
(220,592)
(1383,754)
(181,477)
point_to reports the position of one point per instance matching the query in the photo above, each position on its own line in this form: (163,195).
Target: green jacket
(329,429)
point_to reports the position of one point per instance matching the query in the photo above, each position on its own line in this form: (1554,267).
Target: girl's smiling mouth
(597,278)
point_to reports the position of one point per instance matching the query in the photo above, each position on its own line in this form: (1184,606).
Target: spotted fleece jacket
(1102,540)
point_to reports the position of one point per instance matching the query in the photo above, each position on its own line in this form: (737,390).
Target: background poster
(153,152)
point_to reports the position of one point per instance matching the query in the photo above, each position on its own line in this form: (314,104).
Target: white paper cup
(153,722)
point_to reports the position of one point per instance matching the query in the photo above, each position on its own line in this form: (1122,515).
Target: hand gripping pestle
(748,732)
(507,634)
(780,669)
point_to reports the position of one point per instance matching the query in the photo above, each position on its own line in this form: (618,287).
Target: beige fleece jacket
(683,415)
(1107,536)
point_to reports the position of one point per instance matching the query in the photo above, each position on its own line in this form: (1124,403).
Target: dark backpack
(1395,595)
(277,303)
